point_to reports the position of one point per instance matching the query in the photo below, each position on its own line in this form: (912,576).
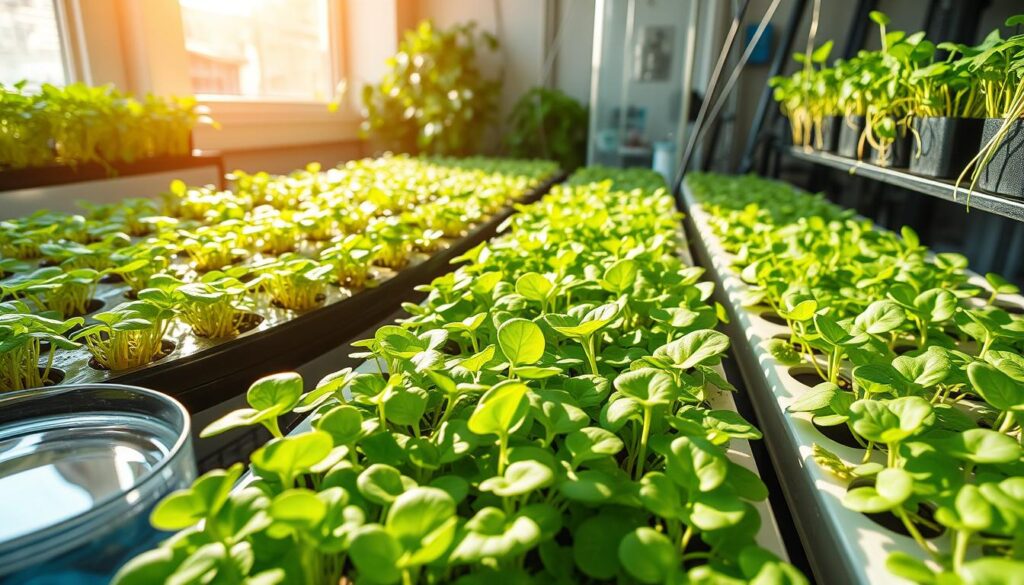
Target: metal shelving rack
(942,189)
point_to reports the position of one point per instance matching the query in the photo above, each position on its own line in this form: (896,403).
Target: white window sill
(260,123)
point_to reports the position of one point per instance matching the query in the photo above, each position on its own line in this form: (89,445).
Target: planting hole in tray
(56,376)
(93,306)
(890,521)
(166,347)
(840,434)
(1012,308)
(249,322)
(904,348)
(320,298)
(111,278)
(785,337)
(810,377)
(773,317)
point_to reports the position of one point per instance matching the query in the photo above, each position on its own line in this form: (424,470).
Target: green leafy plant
(500,439)
(22,335)
(434,98)
(922,366)
(76,124)
(293,282)
(131,334)
(547,123)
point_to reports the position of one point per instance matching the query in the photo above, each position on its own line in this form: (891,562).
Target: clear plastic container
(81,467)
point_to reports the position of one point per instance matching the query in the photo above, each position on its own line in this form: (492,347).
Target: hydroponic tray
(51,175)
(842,545)
(201,372)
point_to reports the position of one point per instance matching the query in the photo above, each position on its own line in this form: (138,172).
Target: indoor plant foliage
(541,417)
(218,261)
(434,98)
(77,124)
(922,366)
(548,124)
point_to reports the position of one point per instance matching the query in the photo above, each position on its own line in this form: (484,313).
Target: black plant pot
(898,155)
(1004,173)
(830,128)
(947,145)
(850,129)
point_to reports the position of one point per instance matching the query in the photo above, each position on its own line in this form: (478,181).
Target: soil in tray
(320,298)
(166,347)
(890,521)
(55,377)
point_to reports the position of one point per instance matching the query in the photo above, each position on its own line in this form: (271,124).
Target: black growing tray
(54,174)
(220,371)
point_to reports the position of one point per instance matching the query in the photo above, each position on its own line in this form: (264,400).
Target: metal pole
(708,97)
(782,53)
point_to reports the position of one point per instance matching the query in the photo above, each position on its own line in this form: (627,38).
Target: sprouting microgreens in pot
(491,445)
(52,289)
(214,306)
(96,255)
(22,334)
(210,248)
(292,281)
(393,239)
(933,376)
(352,259)
(131,334)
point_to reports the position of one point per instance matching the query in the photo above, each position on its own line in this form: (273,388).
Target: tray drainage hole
(773,317)
(810,377)
(889,520)
(166,347)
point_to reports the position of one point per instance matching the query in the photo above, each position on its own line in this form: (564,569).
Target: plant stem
(644,434)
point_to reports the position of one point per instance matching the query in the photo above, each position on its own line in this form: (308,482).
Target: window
(259,48)
(30,43)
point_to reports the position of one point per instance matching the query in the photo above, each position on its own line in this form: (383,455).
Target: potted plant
(999,64)
(23,336)
(293,282)
(215,306)
(131,334)
(947,108)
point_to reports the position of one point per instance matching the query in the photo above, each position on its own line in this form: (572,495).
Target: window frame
(157,61)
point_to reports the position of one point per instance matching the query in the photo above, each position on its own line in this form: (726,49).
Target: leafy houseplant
(549,124)
(485,446)
(434,98)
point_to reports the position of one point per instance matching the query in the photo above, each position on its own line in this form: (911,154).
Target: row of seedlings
(898,371)
(126,284)
(541,418)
